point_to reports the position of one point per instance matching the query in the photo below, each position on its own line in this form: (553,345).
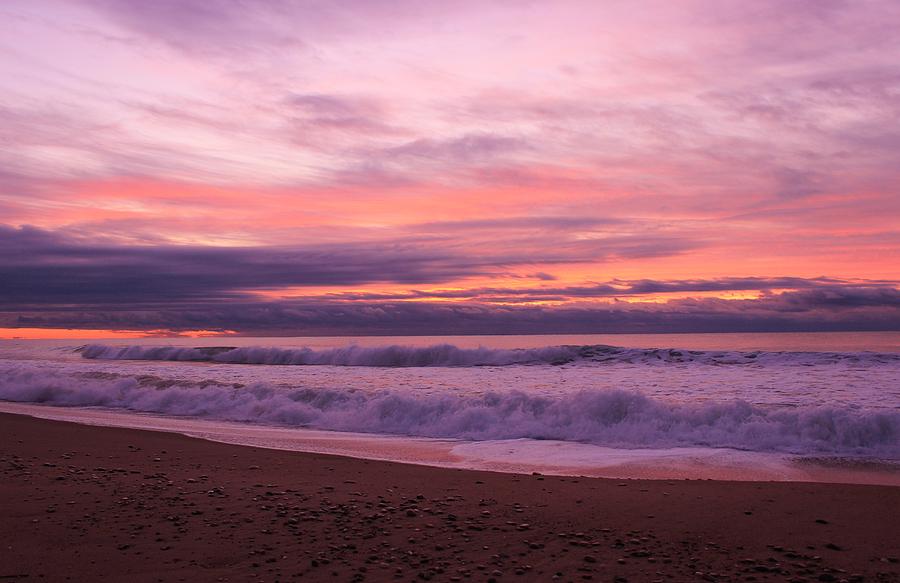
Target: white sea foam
(613,418)
(443,355)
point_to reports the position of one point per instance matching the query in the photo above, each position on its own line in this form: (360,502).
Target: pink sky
(490,155)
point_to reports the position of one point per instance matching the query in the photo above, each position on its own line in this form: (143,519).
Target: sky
(295,167)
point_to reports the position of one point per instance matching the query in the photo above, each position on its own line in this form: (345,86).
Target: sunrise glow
(431,167)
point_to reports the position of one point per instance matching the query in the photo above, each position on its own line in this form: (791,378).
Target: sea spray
(446,355)
(614,418)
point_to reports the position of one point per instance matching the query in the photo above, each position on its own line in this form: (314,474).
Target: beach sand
(84,503)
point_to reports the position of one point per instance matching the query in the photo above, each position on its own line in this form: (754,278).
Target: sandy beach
(84,503)
(451,291)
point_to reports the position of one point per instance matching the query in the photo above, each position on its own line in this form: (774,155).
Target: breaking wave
(388,356)
(610,417)
(449,355)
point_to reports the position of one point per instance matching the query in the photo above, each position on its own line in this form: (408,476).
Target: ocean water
(542,403)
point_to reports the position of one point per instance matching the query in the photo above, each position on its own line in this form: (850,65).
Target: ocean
(665,405)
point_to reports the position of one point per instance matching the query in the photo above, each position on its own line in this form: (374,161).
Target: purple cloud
(51,279)
(784,312)
(39,266)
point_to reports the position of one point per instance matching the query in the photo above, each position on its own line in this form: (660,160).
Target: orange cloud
(96,334)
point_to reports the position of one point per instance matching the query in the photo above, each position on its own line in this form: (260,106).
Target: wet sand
(82,503)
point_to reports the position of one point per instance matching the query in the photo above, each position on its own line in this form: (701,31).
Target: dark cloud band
(53,280)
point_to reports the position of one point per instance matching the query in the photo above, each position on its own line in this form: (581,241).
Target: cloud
(38,266)
(337,123)
(792,311)
(537,223)
(205,27)
(56,279)
(410,145)
(323,105)
(470,148)
(452,160)
(236,28)
(47,147)
(838,298)
(821,287)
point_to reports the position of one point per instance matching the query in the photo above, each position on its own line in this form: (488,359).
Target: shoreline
(516,456)
(100,503)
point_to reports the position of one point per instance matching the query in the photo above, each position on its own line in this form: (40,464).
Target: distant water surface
(739,341)
(798,394)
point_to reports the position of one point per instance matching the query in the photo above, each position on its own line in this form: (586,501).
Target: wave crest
(386,356)
(450,355)
(613,417)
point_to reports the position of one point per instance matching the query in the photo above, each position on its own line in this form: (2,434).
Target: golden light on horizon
(97,334)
